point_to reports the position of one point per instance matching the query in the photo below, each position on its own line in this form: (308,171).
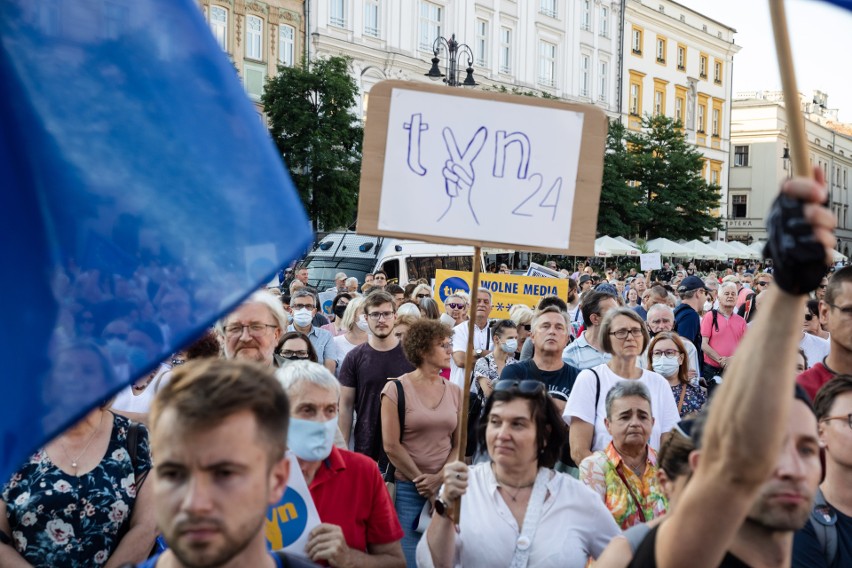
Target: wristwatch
(478,353)
(442,507)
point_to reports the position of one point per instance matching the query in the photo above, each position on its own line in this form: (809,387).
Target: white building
(679,63)
(565,48)
(759,144)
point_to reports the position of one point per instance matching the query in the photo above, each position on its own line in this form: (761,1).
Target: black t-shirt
(559,383)
(645,555)
(808,553)
(665,275)
(367,371)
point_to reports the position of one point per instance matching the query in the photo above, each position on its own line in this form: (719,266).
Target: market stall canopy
(669,248)
(608,246)
(704,252)
(626,242)
(745,251)
(758,246)
(725,248)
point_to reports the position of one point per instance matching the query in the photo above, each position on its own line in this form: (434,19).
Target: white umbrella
(607,246)
(626,242)
(704,252)
(669,248)
(838,256)
(745,251)
(758,246)
(725,248)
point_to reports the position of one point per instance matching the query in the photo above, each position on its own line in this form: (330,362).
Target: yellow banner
(506,290)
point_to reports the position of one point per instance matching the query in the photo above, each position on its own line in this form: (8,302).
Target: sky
(819,35)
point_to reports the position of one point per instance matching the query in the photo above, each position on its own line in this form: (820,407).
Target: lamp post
(454,51)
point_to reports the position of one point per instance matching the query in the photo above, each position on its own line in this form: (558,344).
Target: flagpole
(798,141)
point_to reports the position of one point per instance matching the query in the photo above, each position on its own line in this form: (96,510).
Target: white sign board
(482,169)
(650,261)
(325,300)
(541,271)
(289,523)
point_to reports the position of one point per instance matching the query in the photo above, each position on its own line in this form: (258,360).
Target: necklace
(74,461)
(518,488)
(147,382)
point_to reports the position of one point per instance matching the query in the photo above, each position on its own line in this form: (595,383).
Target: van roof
(353,245)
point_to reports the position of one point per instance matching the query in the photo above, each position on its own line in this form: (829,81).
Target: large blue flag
(141,197)
(842,3)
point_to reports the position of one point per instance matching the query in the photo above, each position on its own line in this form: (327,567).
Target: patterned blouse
(693,401)
(600,471)
(60,520)
(487,367)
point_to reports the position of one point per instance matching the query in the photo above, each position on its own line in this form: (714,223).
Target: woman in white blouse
(516,510)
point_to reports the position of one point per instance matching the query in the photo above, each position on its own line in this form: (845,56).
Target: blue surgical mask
(509,346)
(311,441)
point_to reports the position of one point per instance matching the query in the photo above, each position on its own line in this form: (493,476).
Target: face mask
(311,441)
(339,310)
(362,323)
(447,320)
(666,366)
(509,346)
(303,317)
(708,305)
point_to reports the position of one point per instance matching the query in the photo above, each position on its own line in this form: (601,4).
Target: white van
(402,260)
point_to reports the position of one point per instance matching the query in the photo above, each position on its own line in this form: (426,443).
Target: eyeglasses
(665,353)
(302,306)
(380,315)
(422,296)
(300,354)
(809,317)
(623,333)
(523,387)
(762,283)
(847,418)
(448,346)
(822,286)
(454,306)
(255,329)
(527,327)
(845,310)
(177,361)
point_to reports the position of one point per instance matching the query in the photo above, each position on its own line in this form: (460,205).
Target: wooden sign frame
(588,183)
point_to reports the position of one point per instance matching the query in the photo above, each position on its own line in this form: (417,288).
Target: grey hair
(304,293)
(351,280)
(260,297)
(420,287)
(660,308)
(408,309)
(295,373)
(622,389)
(726,285)
(484,290)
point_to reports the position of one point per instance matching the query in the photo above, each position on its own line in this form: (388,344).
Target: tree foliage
(311,122)
(653,185)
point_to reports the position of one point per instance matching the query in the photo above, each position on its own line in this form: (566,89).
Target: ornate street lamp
(454,52)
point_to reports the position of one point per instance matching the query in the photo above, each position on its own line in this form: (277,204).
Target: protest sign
(325,300)
(291,520)
(506,290)
(475,163)
(650,261)
(541,271)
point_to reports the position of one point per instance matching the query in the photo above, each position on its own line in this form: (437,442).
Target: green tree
(311,122)
(678,200)
(618,213)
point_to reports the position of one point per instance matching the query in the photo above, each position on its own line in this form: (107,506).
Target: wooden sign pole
(468,370)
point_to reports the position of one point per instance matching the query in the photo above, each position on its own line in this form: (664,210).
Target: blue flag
(842,3)
(141,198)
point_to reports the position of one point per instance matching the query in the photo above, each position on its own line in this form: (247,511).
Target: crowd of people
(643,420)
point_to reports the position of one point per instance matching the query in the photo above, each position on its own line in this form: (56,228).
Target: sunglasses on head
(523,387)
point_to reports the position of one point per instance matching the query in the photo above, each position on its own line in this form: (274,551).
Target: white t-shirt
(127,401)
(481,340)
(581,404)
(343,347)
(816,348)
(575,524)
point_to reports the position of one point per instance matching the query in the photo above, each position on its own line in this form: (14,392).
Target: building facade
(258,35)
(760,161)
(566,48)
(679,63)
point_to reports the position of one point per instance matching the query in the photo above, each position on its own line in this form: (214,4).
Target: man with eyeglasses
(482,344)
(832,514)
(660,319)
(303,305)
(836,310)
(365,371)
(252,330)
(815,348)
(380,280)
(454,306)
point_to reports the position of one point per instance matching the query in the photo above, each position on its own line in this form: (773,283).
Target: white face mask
(362,323)
(311,441)
(708,305)
(509,346)
(666,366)
(302,317)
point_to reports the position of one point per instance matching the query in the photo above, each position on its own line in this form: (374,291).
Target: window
(587,15)
(481,42)
(505,50)
(603,27)
(635,92)
(715,123)
(585,63)
(661,50)
(547,63)
(681,58)
(658,102)
(637,41)
(219,25)
(254,38)
(702,66)
(702,112)
(717,72)
(739,206)
(602,81)
(740,156)
(714,176)
(430,24)
(678,113)
(255,78)
(287,45)
(371,18)
(548,8)
(337,13)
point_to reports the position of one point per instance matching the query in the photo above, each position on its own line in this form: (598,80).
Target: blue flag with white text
(141,198)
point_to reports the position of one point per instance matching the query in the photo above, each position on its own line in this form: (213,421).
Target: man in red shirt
(359,524)
(836,310)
